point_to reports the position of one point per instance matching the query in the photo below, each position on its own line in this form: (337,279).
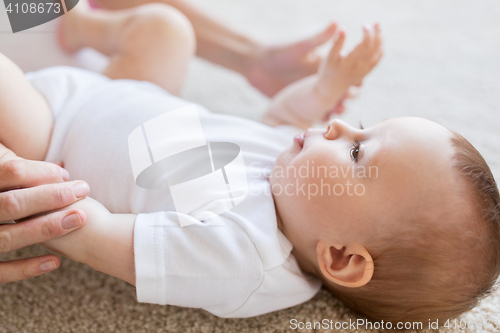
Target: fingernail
(65,174)
(48,266)
(71,221)
(80,190)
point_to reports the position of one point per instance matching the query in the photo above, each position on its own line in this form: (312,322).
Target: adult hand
(276,67)
(28,188)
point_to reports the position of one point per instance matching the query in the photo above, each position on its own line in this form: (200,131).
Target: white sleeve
(282,287)
(211,265)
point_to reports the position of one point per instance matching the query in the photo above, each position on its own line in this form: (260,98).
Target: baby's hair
(437,273)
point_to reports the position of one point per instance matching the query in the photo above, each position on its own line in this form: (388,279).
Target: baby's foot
(340,72)
(69,26)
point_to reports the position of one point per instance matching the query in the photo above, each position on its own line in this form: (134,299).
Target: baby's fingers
(377,47)
(334,54)
(377,56)
(367,38)
(363,48)
(377,38)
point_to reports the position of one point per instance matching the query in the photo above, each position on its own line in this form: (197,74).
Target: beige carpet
(442,62)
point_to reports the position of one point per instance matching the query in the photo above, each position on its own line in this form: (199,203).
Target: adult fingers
(39,229)
(18,204)
(27,268)
(19,173)
(306,46)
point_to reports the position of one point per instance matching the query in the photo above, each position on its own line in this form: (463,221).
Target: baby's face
(351,184)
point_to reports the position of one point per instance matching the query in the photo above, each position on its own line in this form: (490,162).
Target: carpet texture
(441,62)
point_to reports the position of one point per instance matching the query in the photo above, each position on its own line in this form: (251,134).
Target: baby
(400,221)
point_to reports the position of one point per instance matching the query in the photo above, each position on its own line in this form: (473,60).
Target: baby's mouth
(299,139)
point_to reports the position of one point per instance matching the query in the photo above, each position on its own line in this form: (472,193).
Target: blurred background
(441,62)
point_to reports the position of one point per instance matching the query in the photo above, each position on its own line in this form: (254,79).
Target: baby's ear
(346,265)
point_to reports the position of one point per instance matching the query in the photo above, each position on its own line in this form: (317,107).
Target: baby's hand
(340,72)
(75,244)
(105,242)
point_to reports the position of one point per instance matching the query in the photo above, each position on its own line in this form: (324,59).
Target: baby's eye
(354,151)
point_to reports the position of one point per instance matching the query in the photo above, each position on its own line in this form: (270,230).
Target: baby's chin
(283,160)
(286,157)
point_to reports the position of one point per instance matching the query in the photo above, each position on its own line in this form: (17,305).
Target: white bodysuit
(233,264)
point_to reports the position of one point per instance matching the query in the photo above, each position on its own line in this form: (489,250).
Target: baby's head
(401,221)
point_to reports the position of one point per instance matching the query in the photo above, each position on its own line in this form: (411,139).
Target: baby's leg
(25,116)
(153,42)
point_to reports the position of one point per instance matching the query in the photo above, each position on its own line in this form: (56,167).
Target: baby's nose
(332,130)
(337,128)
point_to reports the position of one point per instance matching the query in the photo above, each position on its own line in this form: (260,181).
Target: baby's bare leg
(25,116)
(153,42)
